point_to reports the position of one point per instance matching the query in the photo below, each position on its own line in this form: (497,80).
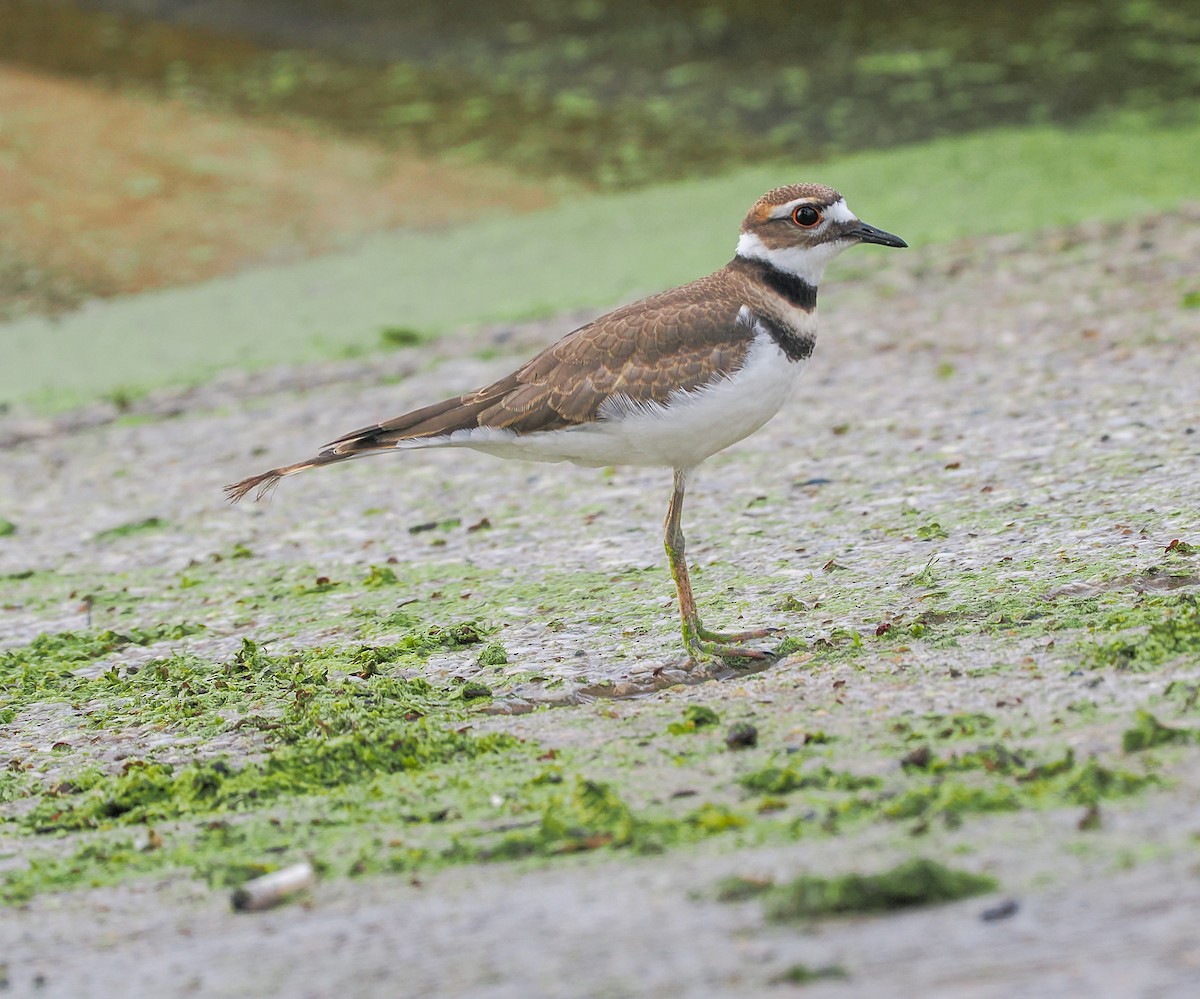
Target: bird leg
(697,639)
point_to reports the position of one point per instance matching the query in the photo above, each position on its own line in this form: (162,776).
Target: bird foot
(703,644)
(733,637)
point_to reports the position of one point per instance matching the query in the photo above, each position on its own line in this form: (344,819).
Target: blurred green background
(576,154)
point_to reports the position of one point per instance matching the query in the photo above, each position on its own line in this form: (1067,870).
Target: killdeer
(667,381)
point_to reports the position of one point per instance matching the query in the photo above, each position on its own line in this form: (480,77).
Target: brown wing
(678,340)
(681,339)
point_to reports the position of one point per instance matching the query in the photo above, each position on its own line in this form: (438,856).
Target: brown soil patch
(104,192)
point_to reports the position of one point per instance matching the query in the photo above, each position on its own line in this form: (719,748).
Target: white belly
(692,426)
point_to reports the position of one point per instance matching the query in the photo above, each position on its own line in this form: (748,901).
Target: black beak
(869,234)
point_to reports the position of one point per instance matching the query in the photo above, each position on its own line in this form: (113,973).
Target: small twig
(272,889)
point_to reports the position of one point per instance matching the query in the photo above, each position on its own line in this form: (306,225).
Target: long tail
(264,482)
(436,421)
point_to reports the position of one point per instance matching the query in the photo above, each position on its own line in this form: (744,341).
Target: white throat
(807,263)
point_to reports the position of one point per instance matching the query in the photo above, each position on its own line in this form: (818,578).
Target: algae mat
(978,518)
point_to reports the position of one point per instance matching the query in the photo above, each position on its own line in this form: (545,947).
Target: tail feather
(464,412)
(432,421)
(442,418)
(264,482)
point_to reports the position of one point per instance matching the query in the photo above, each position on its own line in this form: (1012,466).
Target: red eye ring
(806,216)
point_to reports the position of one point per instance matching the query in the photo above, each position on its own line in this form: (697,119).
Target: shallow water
(619,93)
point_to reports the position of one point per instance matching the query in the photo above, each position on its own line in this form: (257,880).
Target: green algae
(802,974)
(401,336)
(1172,628)
(781,780)
(914,883)
(252,690)
(92,865)
(1017,781)
(591,815)
(950,801)
(336,748)
(195,694)
(77,647)
(1148,732)
(984,601)
(131,528)
(322,734)
(380,575)
(224,819)
(587,816)
(738,888)
(1093,782)
(947,788)
(493,654)
(1183,695)
(789,646)
(312,757)
(358,803)
(996,758)
(322,584)
(371,828)
(695,717)
(45,667)
(710,819)
(330,731)
(940,727)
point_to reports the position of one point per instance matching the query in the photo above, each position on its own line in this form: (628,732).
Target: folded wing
(674,342)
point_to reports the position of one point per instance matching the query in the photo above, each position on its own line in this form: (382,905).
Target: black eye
(806,216)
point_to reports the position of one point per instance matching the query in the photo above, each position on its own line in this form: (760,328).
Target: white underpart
(691,426)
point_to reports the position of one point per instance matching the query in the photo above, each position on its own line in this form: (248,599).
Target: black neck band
(793,288)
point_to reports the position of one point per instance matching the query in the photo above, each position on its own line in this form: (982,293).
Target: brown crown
(819,195)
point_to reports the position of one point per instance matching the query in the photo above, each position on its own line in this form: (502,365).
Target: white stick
(274,888)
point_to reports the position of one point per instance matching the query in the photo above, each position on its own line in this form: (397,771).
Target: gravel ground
(1036,398)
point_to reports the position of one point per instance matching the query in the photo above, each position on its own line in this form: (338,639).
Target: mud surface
(1017,417)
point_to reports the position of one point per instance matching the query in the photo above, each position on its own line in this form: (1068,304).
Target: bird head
(798,229)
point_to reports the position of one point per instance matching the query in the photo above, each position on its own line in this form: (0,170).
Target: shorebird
(668,381)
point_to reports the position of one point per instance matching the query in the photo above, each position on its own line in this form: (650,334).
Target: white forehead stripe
(837,212)
(783,211)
